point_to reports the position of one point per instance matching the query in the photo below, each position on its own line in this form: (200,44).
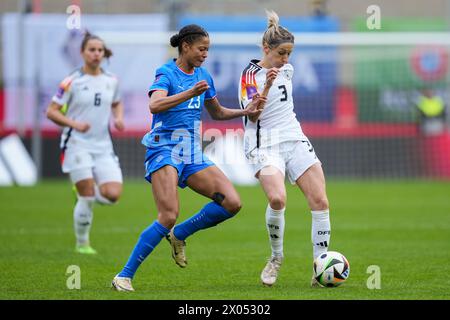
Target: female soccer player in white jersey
(275,144)
(83,106)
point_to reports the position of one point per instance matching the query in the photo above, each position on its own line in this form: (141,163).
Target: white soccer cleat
(270,272)
(122,284)
(178,249)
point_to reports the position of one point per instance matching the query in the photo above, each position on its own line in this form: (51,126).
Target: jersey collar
(184,72)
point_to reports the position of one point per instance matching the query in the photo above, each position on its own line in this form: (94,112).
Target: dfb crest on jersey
(287,73)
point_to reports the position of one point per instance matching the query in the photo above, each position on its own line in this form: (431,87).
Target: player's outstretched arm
(219,112)
(55,114)
(160,101)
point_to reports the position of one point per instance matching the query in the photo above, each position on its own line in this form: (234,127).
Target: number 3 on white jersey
(194,103)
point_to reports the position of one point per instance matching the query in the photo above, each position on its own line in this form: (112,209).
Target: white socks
(101,199)
(82,215)
(320,231)
(275,228)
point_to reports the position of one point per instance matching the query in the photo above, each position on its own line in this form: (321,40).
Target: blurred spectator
(431,110)
(319,8)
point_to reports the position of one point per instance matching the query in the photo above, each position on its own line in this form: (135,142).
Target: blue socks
(148,240)
(209,216)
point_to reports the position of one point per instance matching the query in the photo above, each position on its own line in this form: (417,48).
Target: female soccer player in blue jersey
(174,156)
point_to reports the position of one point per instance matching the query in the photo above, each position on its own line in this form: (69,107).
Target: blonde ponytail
(273,21)
(275,34)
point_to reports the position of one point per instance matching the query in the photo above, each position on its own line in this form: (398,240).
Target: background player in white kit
(83,106)
(275,144)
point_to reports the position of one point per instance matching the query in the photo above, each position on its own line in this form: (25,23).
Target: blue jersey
(184,118)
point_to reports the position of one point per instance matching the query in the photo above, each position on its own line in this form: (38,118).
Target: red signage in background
(2,112)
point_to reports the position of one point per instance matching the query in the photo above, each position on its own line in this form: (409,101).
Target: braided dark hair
(189,34)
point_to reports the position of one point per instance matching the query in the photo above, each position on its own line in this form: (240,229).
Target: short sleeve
(64,92)
(211,92)
(161,82)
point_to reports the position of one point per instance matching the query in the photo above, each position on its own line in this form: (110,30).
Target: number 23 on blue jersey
(194,103)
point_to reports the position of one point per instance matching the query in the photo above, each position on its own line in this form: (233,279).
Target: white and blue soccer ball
(331,269)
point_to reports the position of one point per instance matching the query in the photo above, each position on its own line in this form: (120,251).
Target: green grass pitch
(402,227)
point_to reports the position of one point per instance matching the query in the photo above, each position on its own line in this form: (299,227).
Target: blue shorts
(156,158)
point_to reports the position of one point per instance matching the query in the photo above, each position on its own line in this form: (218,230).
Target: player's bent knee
(111,192)
(230,203)
(113,196)
(168,219)
(277,202)
(168,222)
(319,203)
(233,206)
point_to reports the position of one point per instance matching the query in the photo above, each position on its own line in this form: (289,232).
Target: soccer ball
(331,269)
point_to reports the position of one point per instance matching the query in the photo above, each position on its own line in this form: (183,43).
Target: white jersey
(88,98)
(277,123)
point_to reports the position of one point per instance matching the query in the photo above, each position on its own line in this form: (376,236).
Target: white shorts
(291,157)
(82,164)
